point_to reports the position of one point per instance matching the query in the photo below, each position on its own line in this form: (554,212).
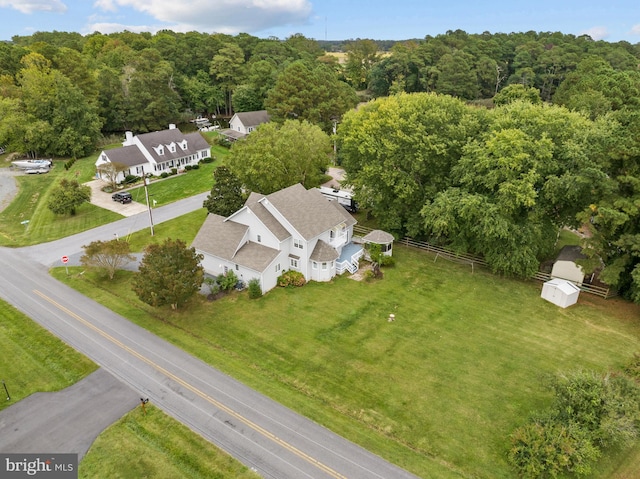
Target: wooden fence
(472,260)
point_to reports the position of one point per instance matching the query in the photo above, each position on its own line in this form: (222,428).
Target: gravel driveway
(8,186)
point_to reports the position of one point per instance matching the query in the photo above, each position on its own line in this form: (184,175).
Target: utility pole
(146,194)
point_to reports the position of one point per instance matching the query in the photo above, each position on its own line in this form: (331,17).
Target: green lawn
(31,202)
(155,446)
(184,185)
(33,360)
(438,391)
(31,205)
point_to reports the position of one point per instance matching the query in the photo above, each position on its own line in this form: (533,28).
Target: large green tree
(68,196)
(526,176)
(107,256)
(169,273)
(73,126)
(399,151)
(276,156)
(310,92)
(226,195)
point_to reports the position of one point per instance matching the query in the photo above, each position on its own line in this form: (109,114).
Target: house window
(259,239)
(293,263)
(324,266)
(314,265)
(237,268)
(277,267)
(226,270)
(298,244)
(332,234)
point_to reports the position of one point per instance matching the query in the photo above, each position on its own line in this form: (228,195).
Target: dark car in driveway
(122,197)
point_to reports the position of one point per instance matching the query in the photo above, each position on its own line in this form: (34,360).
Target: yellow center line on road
(193,389)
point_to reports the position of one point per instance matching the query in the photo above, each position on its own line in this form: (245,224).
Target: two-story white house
(153,153)
(291,229)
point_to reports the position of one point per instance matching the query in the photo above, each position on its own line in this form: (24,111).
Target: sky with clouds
(614,20)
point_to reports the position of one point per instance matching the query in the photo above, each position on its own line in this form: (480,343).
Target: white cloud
(635,30)
(23,6)
(596,33)
(224,16)
(106,5)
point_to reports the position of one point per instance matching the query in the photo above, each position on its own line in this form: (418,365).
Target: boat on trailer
(28,164)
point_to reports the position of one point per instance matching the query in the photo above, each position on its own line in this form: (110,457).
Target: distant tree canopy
(61,90)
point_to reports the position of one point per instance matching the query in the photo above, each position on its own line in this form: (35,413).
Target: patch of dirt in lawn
(359,275)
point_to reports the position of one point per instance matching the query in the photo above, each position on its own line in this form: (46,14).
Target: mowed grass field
(437,391)
(34,360)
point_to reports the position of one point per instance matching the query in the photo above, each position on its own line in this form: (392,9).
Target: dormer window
(172,147)
(183,144)
(159,149)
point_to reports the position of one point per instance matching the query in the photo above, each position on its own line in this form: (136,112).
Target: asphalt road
(262,434)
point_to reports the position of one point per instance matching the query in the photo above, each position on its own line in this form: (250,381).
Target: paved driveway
(103,200)
(66,421)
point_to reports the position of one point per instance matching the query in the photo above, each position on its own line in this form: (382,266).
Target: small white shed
(560,292)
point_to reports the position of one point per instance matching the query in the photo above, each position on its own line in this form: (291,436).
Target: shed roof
(570,253)
(563,285)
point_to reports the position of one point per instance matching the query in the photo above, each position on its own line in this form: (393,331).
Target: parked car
(36,171)
(123,197)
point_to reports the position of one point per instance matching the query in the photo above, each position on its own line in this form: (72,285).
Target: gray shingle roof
(219,237)
(266,218)
(310,213)
(127,155)
(195,143)
(253,118)
(379,237)
(323,252)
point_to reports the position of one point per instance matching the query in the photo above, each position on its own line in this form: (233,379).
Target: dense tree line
(61,91)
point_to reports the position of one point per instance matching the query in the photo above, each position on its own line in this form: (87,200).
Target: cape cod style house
(153,153)
(291,229)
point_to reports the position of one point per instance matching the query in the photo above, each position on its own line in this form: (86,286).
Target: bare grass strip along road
(259,432)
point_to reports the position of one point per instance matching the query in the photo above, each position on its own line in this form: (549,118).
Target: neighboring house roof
(570,253)
(379,237)
(126,155)
(151,141)
(253,118)
(323,252)
(310,213)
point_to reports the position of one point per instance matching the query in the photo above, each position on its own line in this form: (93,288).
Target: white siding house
(291,229)
(153,153)
(241,124)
